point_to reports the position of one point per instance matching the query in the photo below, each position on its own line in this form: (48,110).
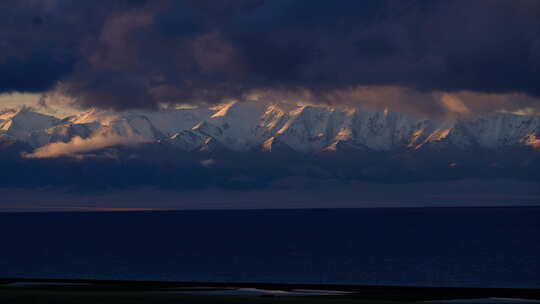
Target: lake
(467,247)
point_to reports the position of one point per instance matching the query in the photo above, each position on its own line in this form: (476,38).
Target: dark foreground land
(25,291)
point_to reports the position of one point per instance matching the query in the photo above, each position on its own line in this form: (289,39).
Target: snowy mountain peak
(271,127)
(20,123)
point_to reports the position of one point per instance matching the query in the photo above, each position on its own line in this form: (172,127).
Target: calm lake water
(484,247)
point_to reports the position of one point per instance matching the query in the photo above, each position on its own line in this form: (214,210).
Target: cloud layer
(83,145)
(138,54)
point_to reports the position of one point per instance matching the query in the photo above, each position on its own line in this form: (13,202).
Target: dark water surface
(480,247)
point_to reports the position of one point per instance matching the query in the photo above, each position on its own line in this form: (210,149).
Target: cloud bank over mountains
(140,54)
(78,145)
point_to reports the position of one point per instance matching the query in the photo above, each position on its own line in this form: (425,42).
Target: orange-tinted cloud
(81,145)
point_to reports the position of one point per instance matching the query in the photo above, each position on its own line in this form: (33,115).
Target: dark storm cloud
(41,40)
(122,54)
(36,72)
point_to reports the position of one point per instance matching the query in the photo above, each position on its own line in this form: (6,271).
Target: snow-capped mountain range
(271,127)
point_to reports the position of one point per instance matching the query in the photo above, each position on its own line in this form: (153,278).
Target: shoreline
(86,209)
(59,287)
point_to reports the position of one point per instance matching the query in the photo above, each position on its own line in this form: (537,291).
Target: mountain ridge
(270,127)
